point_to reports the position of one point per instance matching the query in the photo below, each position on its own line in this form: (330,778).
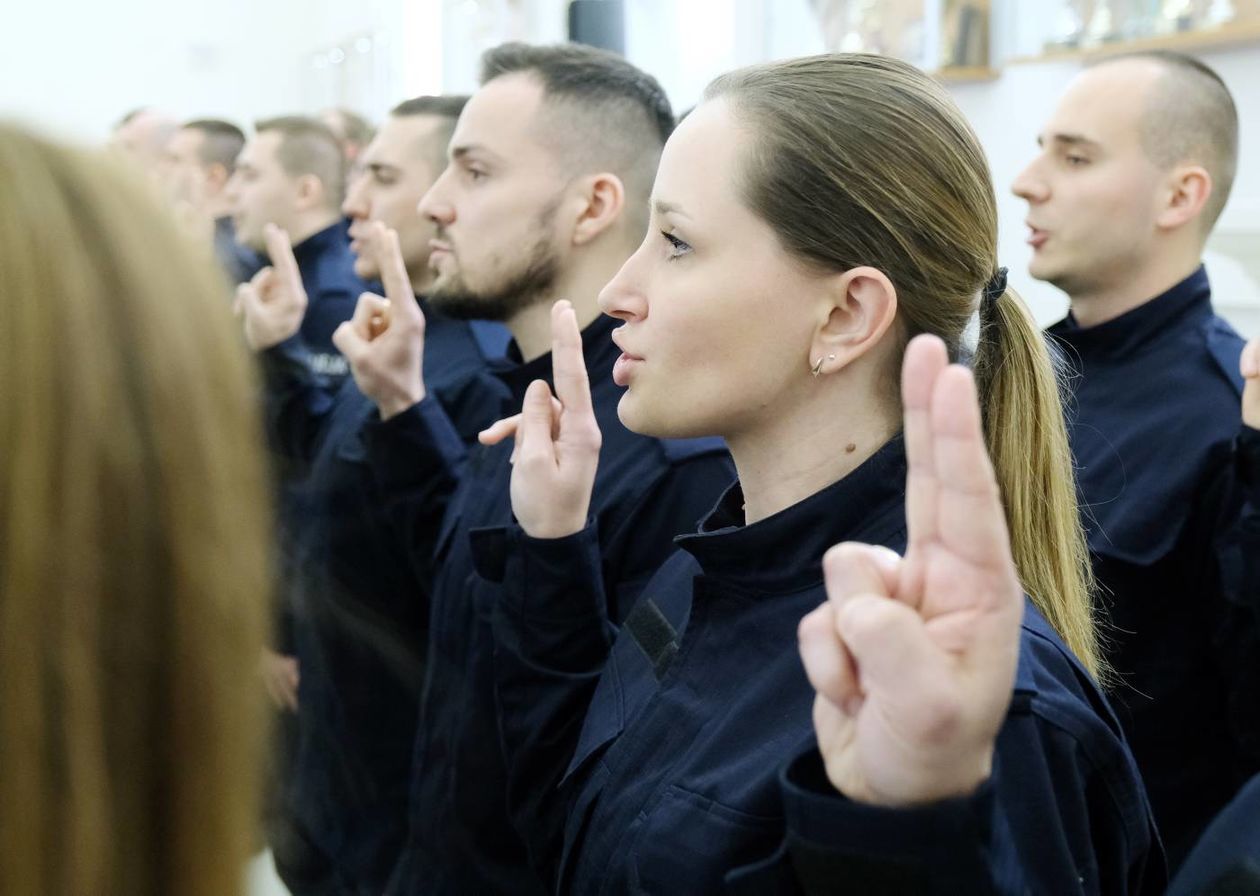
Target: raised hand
(280,677)
(274,302)
(557,440)
(914,659)
(384,340)
(1251,391)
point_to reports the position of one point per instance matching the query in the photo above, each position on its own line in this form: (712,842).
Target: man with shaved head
(141,136)
(1135,166)
(292,175)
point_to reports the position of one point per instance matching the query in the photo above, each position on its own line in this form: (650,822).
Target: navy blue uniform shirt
(646,491)
(1226,860)
(691,771)
(361,615)
(1153,425)
(239,263)
(332,290)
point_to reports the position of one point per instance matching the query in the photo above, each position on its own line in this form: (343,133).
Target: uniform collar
(598,350)
(1145,325)
(320,242)
(784,551)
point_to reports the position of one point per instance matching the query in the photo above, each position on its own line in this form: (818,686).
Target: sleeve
(297,400)
(416,459)
(555,623)
(1059,814)
(552,641)
(1238,550)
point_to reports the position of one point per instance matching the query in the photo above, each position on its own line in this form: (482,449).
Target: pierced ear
(1189,188)
(604,198)
(861,309)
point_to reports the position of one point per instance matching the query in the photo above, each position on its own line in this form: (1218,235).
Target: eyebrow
(662,208)
(460,152)
(1071,140)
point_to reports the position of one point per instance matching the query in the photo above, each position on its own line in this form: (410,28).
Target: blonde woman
(133,543)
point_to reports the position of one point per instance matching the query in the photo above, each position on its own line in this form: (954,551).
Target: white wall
(74,68)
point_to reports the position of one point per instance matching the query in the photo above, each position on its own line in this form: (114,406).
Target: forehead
(261,149)
(700,166)
(185,141)
(501,116)
(1105,103)
(402,140)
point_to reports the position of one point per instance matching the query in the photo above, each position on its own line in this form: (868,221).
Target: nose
(355,205)
(435,205)
(623,297)
(1030,186)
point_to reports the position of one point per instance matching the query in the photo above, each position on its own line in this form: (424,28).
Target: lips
(625,365)
(1036,236)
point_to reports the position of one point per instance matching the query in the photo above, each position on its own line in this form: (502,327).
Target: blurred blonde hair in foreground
(133,543)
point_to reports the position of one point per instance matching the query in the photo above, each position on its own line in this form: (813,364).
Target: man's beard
(531,279)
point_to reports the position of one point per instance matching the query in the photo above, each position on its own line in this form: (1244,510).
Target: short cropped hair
(308,146)
(1191,117)
(353,127)
(222,144)
(608,114)
(445,108)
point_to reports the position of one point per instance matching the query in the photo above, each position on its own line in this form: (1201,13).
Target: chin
(649,418)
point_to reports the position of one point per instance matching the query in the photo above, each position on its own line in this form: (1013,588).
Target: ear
(600,200)
(310,192)
(859,306)
(216,178)
(1186,192)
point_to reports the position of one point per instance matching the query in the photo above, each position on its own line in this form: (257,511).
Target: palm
(914,659)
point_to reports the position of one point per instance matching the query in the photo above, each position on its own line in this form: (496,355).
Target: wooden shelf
(1246,31)
(965,74)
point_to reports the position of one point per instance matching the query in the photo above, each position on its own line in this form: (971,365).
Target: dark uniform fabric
(674,780)
(332,290)
(361,614)
(1226,860)
(646,491)
(1153,426)
(239,263)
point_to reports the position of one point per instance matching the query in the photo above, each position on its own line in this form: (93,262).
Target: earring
(818,367)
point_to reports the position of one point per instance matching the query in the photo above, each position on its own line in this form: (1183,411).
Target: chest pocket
(689,843)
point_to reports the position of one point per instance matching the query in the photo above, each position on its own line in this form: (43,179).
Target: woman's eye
(679,247)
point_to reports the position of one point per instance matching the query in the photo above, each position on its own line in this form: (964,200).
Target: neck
(782,461)
(1095,306)
(218,207)
(531,326)
(305,226)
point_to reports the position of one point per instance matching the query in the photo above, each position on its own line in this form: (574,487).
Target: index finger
(972,520)
(568,366)
(390,261)
(280,249)
(925,358)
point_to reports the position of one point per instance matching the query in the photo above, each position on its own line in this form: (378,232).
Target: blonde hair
(133,543)
(864,160)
